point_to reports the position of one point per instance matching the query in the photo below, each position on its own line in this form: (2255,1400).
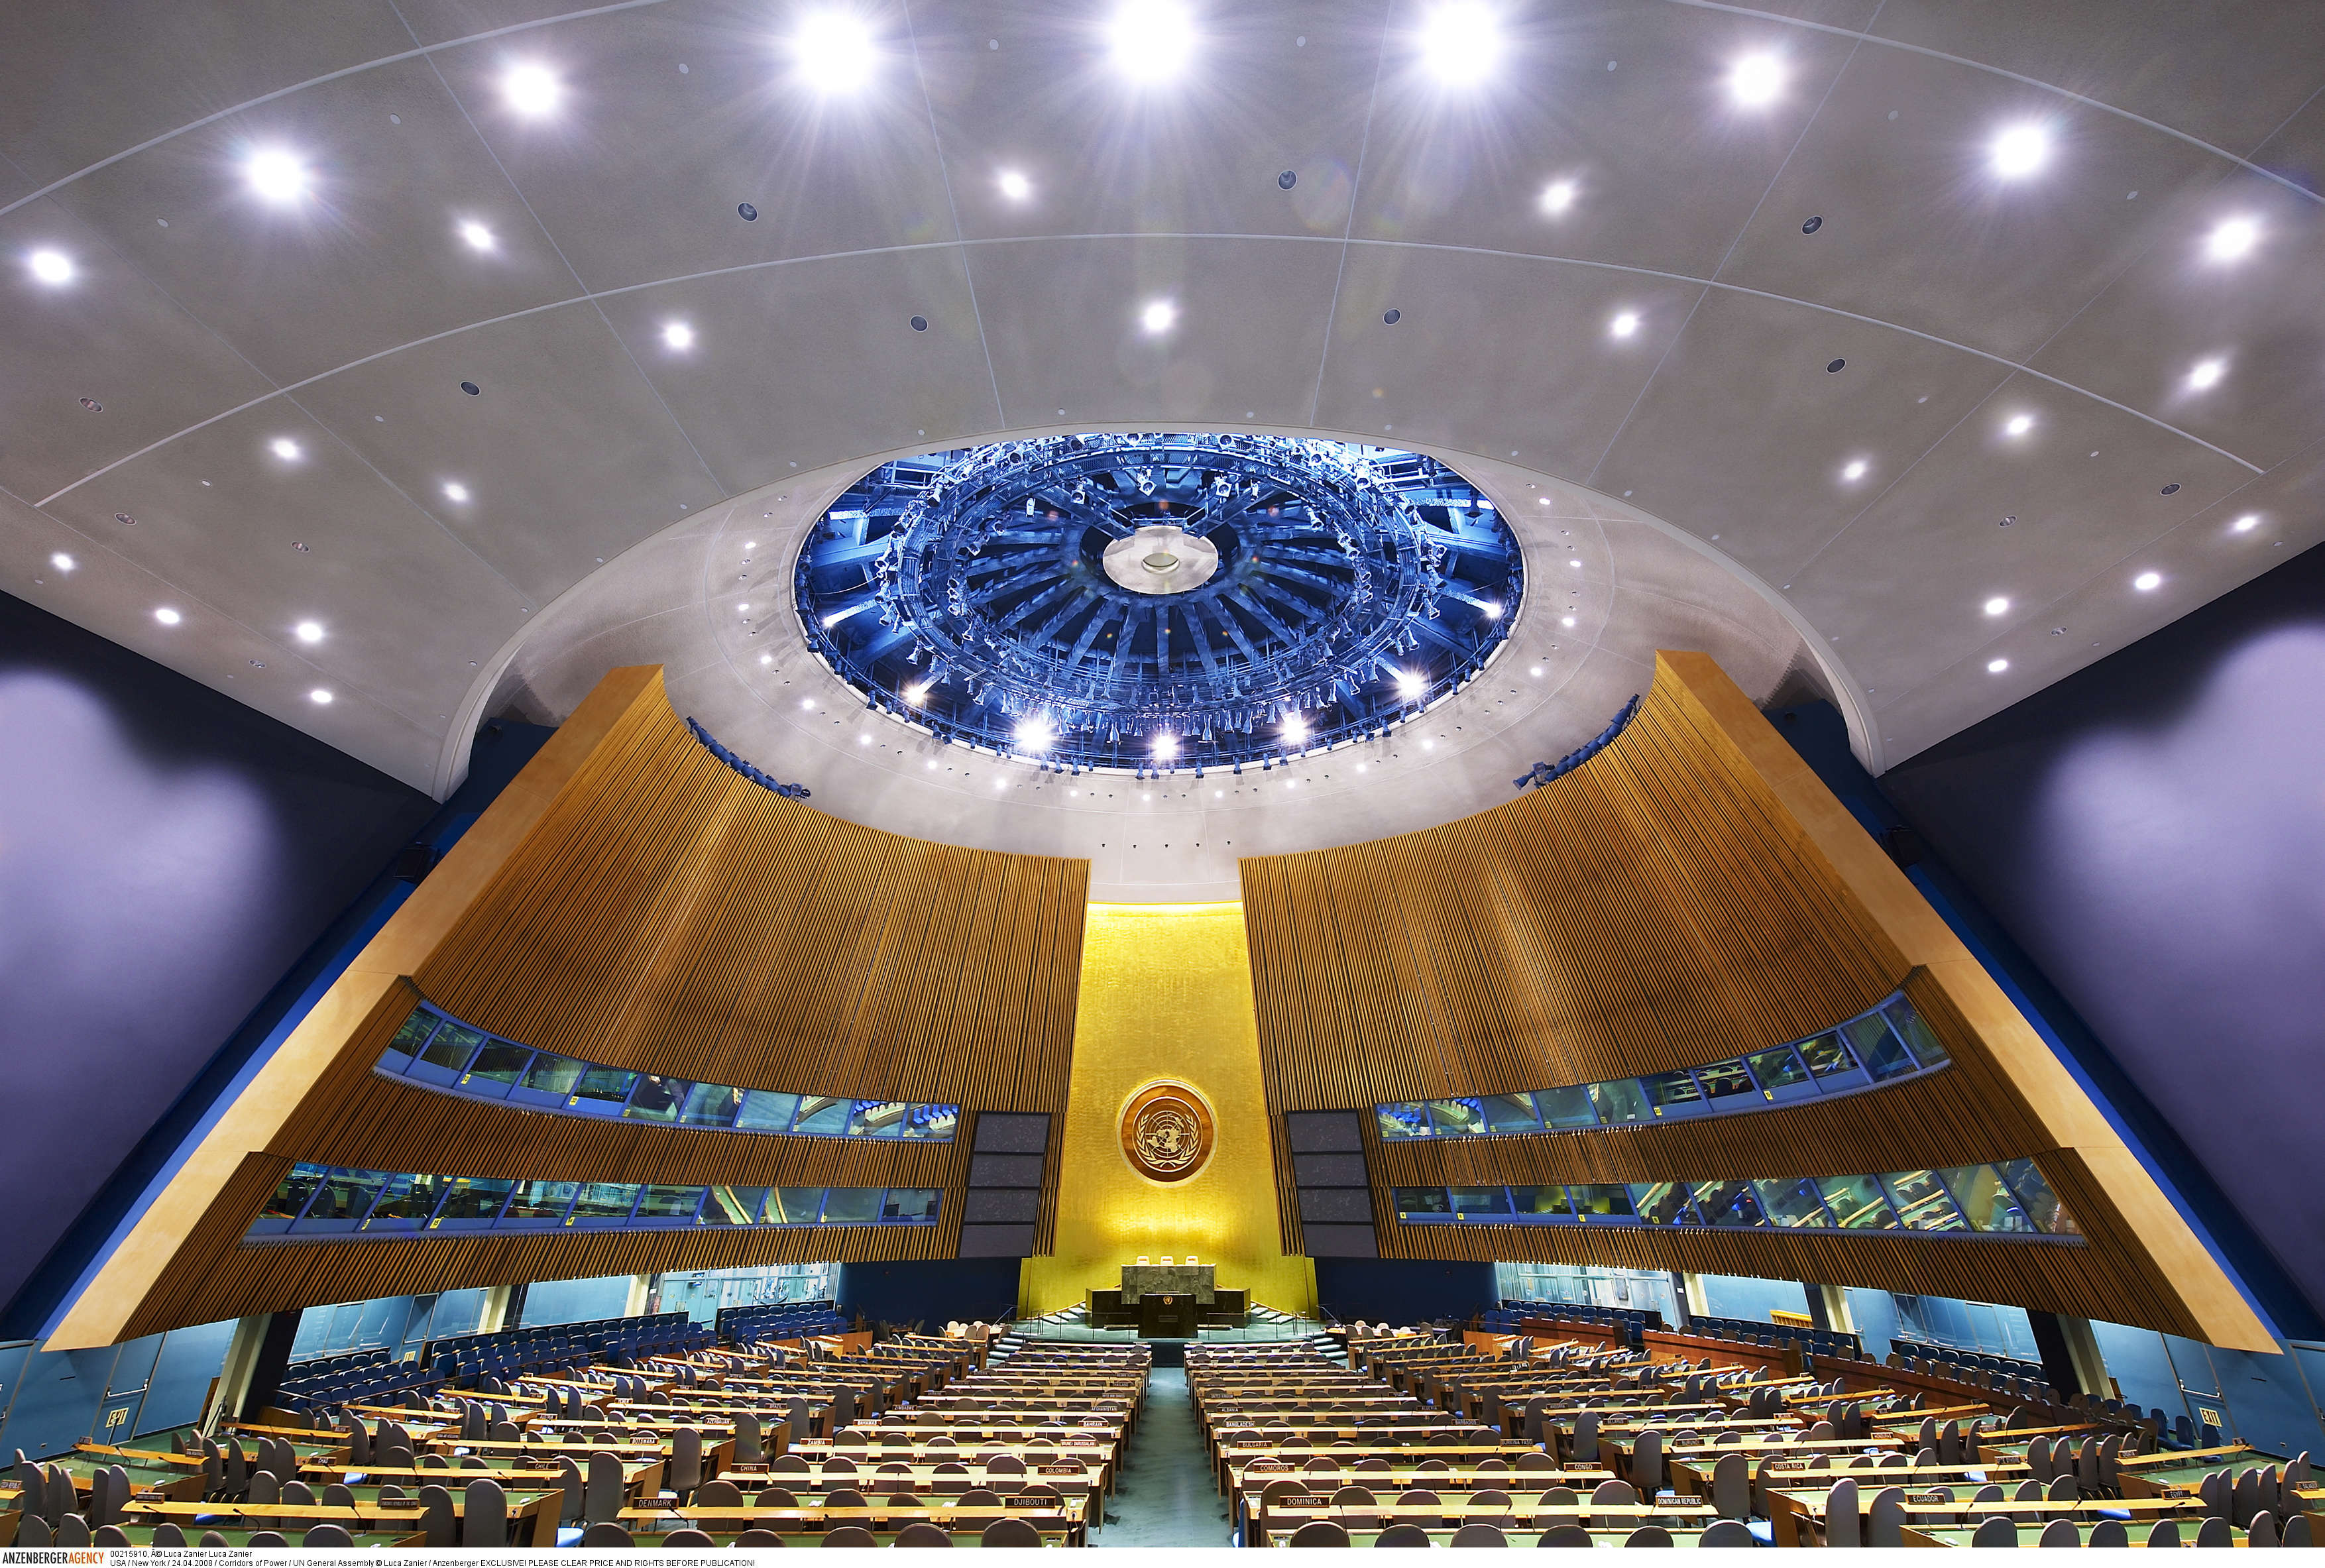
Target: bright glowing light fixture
(275,175)
(1408,684)
(309,631)
(1558,197)
(1295,728)
(1149,41)
(321,696)
(1015,185)
(479,237)
(1492,612)
(2148,581)
(2232,239)
(1854,470)
(2020,150)
(1460,42)
(1166,746)
(1624,324)
(62,561)
(1996,666)
(51,266)
(166,617)
(1033,735)
(2207,374)
(835,51)
(1997,606)
(1160,316)
(284,447)
(916,695)
(531,89)
(455,491)
(1756,80)
(2244,524)
(677,335)
(2019,425)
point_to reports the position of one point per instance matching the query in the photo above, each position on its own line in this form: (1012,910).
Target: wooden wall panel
(631,900)
(1692,893)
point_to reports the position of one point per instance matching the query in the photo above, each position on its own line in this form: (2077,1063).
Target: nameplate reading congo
(1166,1132)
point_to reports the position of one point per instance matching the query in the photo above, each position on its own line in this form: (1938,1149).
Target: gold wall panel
(629,899)
(1165,995)
(1690,893)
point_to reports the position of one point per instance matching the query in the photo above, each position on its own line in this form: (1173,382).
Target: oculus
(1161,601)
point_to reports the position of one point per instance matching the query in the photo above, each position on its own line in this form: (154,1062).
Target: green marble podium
(1198,1280)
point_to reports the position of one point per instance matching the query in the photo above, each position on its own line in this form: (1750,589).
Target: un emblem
(1166,1132)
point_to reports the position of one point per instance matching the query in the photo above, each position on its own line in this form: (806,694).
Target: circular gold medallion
(1166,1132)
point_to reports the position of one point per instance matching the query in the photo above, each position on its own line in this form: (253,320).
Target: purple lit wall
(166,854)
(2151,831)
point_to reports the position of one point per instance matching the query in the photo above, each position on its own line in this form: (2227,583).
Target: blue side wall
(931,1292)
(1398,1290)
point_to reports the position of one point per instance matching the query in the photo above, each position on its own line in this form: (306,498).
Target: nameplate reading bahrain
(1166,1132)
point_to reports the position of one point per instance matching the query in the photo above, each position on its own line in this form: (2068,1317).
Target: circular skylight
(1158,602)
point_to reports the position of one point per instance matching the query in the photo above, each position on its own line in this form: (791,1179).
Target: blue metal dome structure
(1154,602)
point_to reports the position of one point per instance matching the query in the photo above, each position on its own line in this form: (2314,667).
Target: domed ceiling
(1166,601)
(394,363)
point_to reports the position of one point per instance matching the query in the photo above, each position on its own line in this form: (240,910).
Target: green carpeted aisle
(1166,1497)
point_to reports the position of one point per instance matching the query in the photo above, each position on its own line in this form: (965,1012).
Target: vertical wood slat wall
(1664,906)
(666,915)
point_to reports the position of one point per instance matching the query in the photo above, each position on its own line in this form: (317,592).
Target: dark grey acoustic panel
(997,1241)
(1324,1131)
(1005,1170)
(1341,1241)
(1336,1205)
(1001,1205)
(1002,1132)
(1329,1170)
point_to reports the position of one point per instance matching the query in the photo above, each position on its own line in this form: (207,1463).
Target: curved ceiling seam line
(1890,485)
(313,81)
(1287,238)
(952,205)
(541,21)
(2117,564)
(485,143)
(1743,228)
(1927,53)
(1348,229)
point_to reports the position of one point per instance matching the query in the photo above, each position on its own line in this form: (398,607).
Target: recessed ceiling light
(1756,80)
(166,617)
(531,89)
(863,739)
(455,491)
(1558,197)
(1535,670)
(1625,324)
(2244,524)
(321,696)
(51,266)
(2019,425)
(1460,42)
(677,335)
(1014,185)
(1565,620)
(2232,239)
(284,447)
(766,658)
(807,704)
(744,607)
(2148,581)
(1158,317)
(2020,150)
(275,175)
(2207,374)
(479,237)
(835,51)
(1996,666)
(1149,41)
(309,632)
(64,563)
(1854,470)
